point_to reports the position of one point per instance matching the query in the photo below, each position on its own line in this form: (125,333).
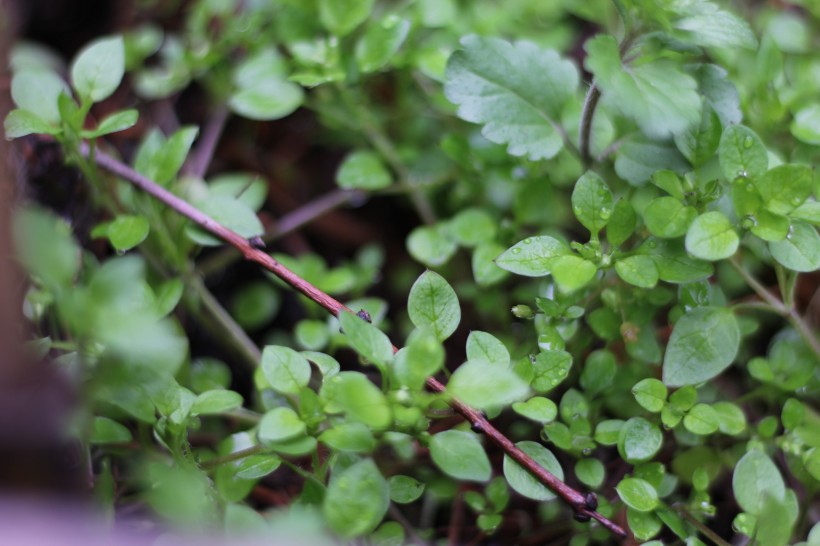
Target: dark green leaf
(369,341)
(459,454)
(712,237)
(639,440)
(651,394)
(342,16)
(404,489)
(279,425)
(363,170)
(353,394)
(108,431)
(638,270)
(231,213)
(800,250)
(525,483)
(380,42)
(592,202)
(742,154)
(286,370)
(785,187)
(702,419)
(667,217)
(351,437)
(638,494)
(703,344)
(516,91)
(639,158)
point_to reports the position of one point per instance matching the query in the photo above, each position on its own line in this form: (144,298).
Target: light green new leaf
(98,69)
(639,440)
(742,153)
(651,394)
(572,272)
(516,91)
(279,425)
(404,489)
(108,431)
(431,245)
(350,437)
(363,170)
(231,213)
(711,237)
(705,24)
(472,226)
(731,419)
(806,124)
(800,250)
(622,223)
(533,256)
(422,356)
(638,494)
(549,368)
(785,187)
(37,91)
(638,270)
(433,303)
(356,500)
(342,16)
(755,478)
(286,370)
(482,385)
(353,394)
(459,454)
(487,347)
(668,217)
(539,409)
(485,270)
(20,123)
(216,401)
(525,483)
(661,98)
(702,419)
(380,42)
(267,99)
(590,472)
(703,343)
(592,202)
(126,232)
(639,158)
(257,466)
(369,341)
(118,121)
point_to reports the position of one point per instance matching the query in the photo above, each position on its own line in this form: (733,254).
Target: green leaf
(657,95)
(255,304)
(37,92)
(703,344)
(702,419)
(231,213)
(533,256)
(639,440)
(485,271)
(46,248)
(471,227)
(638,494)
(592,202)
(460,455)
(19,123)
(638,158)
(770,226)
(327,365)
(742,153)
(286,370)
(785,187)
(667,217)
(422,356)
(705,24)
(108,431)
(366,339)
(549,369)
(279,425)
(731,419)
(754,479)
(806,124)
(525,483)
(718,92)
(404,489)
(431,245)
(517,92)
(608,432)
(484,346)
(622,223)
(572,272)
(800,250)
(363,170)
(216,401)
(126,232)
(266,100)
(673,263)
(484,385)
(250,188)
(538,409)
(638,271)
(98,69)
(349,437)
(433,303)
(118,121)
(353,394)
(590,472)
(356,500)
(342,16)
(598,373)
(712,237)
(380,42)
(257,466)
(650,394)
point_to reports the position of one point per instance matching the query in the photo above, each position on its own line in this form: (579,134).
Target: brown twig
(583,505)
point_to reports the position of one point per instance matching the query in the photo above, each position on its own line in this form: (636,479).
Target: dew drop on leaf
(747,142)
(516,250)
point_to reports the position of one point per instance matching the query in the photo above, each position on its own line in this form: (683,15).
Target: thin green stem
(790,313)
(704,530)
(231,457)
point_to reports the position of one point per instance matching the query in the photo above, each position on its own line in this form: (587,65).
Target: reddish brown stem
(583,506)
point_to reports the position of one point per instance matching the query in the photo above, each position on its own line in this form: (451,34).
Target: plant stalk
(583,505)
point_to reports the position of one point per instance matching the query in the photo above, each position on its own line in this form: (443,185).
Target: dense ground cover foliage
(594,223)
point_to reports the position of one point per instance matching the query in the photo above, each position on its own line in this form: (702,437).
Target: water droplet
(748,222)
(796,201)
(586,451)
(605,213)
(750,187)
(747,142)
(652,244)
(554,382)
(576,210)
(516,250)
(527,241)
(742,173)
